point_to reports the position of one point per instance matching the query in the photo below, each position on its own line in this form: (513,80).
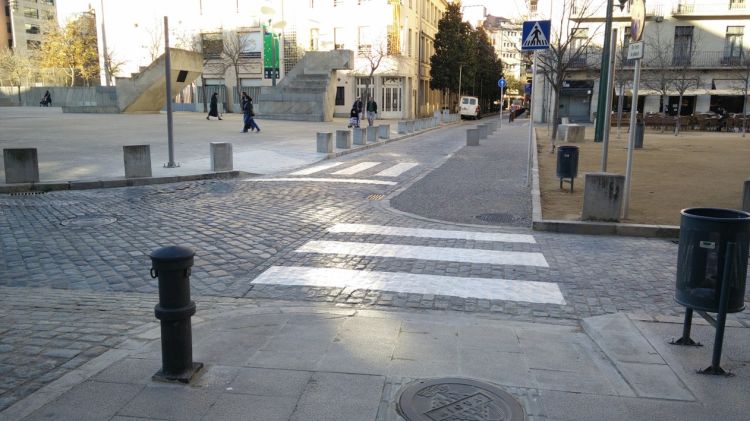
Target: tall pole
(105,53)
(460,76)
(631,139)
(603,76)
(531,120)
(501,108)
(273,63)
(608,113)
(168,75)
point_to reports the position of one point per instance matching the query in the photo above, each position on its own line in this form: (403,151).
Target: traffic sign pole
(501,84)
(531,120)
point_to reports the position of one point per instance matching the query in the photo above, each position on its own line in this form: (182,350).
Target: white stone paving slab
(484,288)
(431,233)
(397,169)
(448,254)
(327,180)
(356,168)
(316,168)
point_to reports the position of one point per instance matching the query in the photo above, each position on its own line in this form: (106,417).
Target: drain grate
(496,217)
(458,399)
(376,197)
(86,221)
(26,193)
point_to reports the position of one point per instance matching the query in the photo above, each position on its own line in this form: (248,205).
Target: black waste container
(567,162)
(701,256)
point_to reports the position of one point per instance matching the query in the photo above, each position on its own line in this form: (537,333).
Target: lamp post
(601,106)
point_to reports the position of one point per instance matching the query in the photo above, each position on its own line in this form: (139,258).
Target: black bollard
(172,266)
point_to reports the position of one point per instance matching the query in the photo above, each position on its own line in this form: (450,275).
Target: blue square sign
(535,35)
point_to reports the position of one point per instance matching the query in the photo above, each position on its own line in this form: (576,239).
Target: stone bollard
(746,196)
(472,137)
(410,126)
(21,165)
(575,133)
(137,161)
(325,142)
(372,134)
(343,139)
(221,156)
(602,197)
(359,135)
(482,131)
(401,128)
(384,131)
(172,266)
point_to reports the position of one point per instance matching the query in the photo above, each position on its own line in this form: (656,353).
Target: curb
(538,223)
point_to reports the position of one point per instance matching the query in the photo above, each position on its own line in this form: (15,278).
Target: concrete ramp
(145,92)
(307,92)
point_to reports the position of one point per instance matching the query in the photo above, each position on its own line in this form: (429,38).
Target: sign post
(501,83)
(535,36)
(635,52)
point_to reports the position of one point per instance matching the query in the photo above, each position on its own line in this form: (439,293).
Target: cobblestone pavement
(97,242)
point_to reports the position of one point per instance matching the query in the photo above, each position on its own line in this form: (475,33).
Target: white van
(469,107)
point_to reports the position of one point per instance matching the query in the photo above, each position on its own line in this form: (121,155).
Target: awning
(727,87)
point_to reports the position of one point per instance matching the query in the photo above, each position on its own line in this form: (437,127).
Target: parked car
(469,107)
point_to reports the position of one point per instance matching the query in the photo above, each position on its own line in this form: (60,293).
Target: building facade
(22,24)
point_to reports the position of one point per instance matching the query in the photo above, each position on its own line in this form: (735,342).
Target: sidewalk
(294,361)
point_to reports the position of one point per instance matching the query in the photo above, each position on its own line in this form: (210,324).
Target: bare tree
(233,54)
(569,45)
(373,57)
(155,43)
(113,66)
(658,66)
(683,75)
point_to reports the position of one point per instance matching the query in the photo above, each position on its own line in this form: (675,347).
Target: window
(733,44)
(340,98)
(50,2)
(736,4)
(31,12)
(408,44)
(212,45)
(361,87)
(394,41)
(31,28)
(314,39)
(33,45)
(578,44)
(683,45)
(338,38)
(364,46)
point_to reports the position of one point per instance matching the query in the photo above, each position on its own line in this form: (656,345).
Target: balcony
(652,11)
(723,8)
(699,60)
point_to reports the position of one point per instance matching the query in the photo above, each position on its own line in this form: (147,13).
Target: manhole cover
(89,221)
(376,197)
(496,217)
(458,399)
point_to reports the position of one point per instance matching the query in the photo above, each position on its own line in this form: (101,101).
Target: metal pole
(168,75)
(460,76)
(273,63)
(501,108)
(531,120)
(608,114)
(631,139)
(603,75)
(721,317)
(105,53)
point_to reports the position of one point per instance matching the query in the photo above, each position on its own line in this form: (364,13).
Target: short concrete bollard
(221,156)
(410,126)
(401,127)
(359,135)
(384,131)
(746,196)
(137,161)
(21,165)
(575,133)
(343,139)
(602,197)
(372,134)
(325,142)
(472,137)
(482,131)
(172,266)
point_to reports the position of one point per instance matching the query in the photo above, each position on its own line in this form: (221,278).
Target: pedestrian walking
(213,110)
(372,111)
(248,113)
(46,100)
(358,106)
(353,118)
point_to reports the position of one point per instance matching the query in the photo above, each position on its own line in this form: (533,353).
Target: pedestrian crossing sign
(535,35)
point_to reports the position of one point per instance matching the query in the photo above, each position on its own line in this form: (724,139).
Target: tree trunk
(555,116)
(679,112)
(239,86)
(203,89)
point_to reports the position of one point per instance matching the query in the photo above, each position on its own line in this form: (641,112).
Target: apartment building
(700,42)
(505,36)
(22,23)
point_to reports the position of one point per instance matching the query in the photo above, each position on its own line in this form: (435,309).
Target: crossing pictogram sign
(535,35)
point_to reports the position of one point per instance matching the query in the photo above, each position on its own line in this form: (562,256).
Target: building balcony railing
(698,60)
(724,7)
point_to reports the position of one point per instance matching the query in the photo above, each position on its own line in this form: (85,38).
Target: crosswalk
(333,172)
(467,287)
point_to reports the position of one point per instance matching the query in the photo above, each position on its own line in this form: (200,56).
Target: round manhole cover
(458,399)
(88,221)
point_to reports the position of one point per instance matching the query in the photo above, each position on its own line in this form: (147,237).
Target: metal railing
(690,8)
(698,60)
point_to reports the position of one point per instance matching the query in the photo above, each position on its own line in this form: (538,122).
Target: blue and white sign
(535,35)
(501,83)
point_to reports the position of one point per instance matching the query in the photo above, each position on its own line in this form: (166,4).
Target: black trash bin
(567,164)
(701,257)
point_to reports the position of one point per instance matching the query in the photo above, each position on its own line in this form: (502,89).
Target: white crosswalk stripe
(493,289)
(327,180)
(397,169)
(362,166)
(317,168)
(431,233)
(425,253)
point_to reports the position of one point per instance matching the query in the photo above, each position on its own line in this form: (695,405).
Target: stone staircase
(307,93)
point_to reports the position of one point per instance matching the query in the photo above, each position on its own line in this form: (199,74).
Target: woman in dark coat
(214,108)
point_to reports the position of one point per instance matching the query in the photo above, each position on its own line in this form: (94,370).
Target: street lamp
(601,106)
